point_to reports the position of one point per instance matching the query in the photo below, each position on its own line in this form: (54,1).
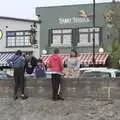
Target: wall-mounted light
(44,52)
(6,26)
(101,50)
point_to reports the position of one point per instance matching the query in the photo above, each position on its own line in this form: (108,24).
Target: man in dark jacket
(17,62)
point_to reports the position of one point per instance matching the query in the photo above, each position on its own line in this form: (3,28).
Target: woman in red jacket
(55,66)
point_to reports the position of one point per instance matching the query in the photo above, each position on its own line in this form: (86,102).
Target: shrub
(115,55)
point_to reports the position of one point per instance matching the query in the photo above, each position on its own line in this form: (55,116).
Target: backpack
(40,71)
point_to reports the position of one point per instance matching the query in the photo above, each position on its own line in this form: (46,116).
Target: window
(86,36)
(61,37)
(117,74)
(18,38)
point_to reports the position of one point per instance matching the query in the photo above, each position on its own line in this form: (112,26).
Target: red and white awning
(85,58)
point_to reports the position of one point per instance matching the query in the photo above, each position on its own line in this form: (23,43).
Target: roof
(18,19)
(72,5)
(93,68)
(100,69)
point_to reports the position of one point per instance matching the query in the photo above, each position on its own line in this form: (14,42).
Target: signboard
(84,17)
(73,20)
(1,34)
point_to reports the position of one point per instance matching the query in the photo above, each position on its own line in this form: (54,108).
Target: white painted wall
(14,25)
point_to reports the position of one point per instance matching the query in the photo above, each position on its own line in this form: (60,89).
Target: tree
(112,20)
(116,17)
(114,57)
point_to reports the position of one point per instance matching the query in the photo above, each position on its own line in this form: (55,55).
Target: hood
(55,57)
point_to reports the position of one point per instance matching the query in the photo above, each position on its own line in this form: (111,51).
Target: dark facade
(71,26)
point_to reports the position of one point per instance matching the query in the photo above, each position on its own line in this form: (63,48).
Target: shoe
(24,97)
(60,98)
(54,98)
(15,97)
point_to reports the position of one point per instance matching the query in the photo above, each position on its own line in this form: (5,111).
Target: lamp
(44,52)
(101,50)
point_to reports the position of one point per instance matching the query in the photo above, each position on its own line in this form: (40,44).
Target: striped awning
(87,58)
(84,58)
(4,57)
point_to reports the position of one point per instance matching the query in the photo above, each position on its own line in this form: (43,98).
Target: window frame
(61,34)
(15,41)
(89,33)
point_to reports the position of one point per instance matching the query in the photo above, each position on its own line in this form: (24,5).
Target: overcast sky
(26,8)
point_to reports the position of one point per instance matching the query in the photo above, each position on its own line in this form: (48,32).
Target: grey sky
(26,8)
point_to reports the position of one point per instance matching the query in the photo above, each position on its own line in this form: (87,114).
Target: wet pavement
(70,109)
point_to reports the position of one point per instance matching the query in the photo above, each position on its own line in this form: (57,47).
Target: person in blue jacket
(17,62)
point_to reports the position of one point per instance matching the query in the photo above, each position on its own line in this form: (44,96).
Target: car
(95,74)
(100,72)
(5,76)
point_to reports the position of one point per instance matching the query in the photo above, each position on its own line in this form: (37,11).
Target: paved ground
(70,109)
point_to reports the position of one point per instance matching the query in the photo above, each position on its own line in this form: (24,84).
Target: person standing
(17,62)
(55,65)
(73,64)
(29,68)
(33,61)
(30,64)
(40,69)
(73,61)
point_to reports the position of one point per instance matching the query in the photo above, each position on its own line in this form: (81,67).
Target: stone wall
(73,88)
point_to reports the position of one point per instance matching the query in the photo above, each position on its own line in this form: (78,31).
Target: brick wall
(73,88)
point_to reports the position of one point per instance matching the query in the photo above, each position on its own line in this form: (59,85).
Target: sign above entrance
(73,20)
(83,18)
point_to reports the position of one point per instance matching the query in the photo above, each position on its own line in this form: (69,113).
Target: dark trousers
(19,80)
(55,85)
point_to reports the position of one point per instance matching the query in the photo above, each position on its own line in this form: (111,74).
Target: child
(40,69)
(29,68)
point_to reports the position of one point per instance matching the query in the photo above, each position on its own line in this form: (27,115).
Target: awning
(4,57)
(45,57)
(87,58)
(84,58)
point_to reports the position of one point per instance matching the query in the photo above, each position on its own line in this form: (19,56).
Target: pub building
(65,27)
(71,26)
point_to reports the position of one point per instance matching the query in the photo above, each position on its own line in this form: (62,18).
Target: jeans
(55,85)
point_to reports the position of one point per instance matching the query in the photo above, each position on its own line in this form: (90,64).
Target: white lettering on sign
(73,20)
